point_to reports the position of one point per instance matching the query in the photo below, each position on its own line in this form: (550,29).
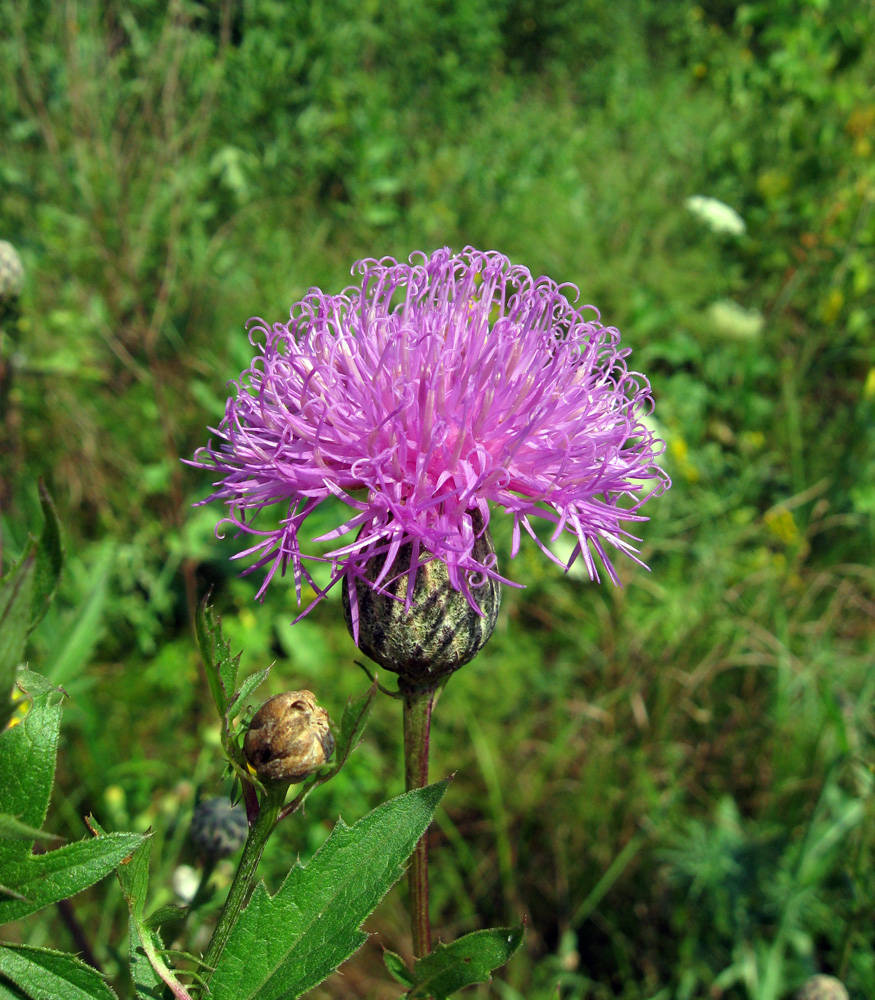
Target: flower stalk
(268,814)
(418,704)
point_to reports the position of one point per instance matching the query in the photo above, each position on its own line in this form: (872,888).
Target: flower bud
(289,737)
(218,828)
(11,272)
(822,988)
(440,632)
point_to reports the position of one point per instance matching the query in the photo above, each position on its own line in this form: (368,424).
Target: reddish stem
(417,726)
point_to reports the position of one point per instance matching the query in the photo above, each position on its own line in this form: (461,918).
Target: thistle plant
(424,398)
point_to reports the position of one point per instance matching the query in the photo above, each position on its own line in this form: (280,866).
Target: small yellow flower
(114,797)
(781,524)
(680,452)
(869,384)
(752,440)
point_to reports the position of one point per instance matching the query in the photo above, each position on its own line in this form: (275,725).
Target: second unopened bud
(289,738)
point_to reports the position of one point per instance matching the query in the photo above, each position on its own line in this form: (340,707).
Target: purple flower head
(422,395)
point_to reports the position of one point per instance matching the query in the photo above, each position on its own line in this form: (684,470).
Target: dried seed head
(822,988)
(440,632)
(289,737)
(218,828)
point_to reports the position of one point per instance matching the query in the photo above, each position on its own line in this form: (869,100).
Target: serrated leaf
(27,762)
(222,669)
(16,601)
(25,594)
(284,945)
(42,974)
(469,960)
(11,828)
(397,968)
(27,770)
(246,689)
(352,726)
(168,913)
(47,878)
(220,666)
(49,559)
(149,972)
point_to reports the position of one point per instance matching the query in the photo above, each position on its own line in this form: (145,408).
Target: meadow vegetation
(673,780)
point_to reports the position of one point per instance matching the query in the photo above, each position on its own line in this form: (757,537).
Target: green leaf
(11,828)
(246,689)
(469,960)
(47,878)
(397,968)
(166,914)
(27,771)
(313,921)
(352,726)
(10,992)
(42,974)
(27,763)
(25,594)
(220,666)
(16,601)
(222,669)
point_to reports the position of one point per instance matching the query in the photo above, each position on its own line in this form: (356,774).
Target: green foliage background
(672,779)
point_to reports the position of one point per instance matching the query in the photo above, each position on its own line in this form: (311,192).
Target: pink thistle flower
(423,395)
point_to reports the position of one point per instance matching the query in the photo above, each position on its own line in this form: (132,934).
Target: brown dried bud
(440,633)
(822,988)
(289,737)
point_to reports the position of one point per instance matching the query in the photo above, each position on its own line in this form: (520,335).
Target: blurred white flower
(11,272)
(185,881)
(734,321)
(717,216)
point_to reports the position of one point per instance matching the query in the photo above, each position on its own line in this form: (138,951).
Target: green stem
(271,803)
(417,726)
